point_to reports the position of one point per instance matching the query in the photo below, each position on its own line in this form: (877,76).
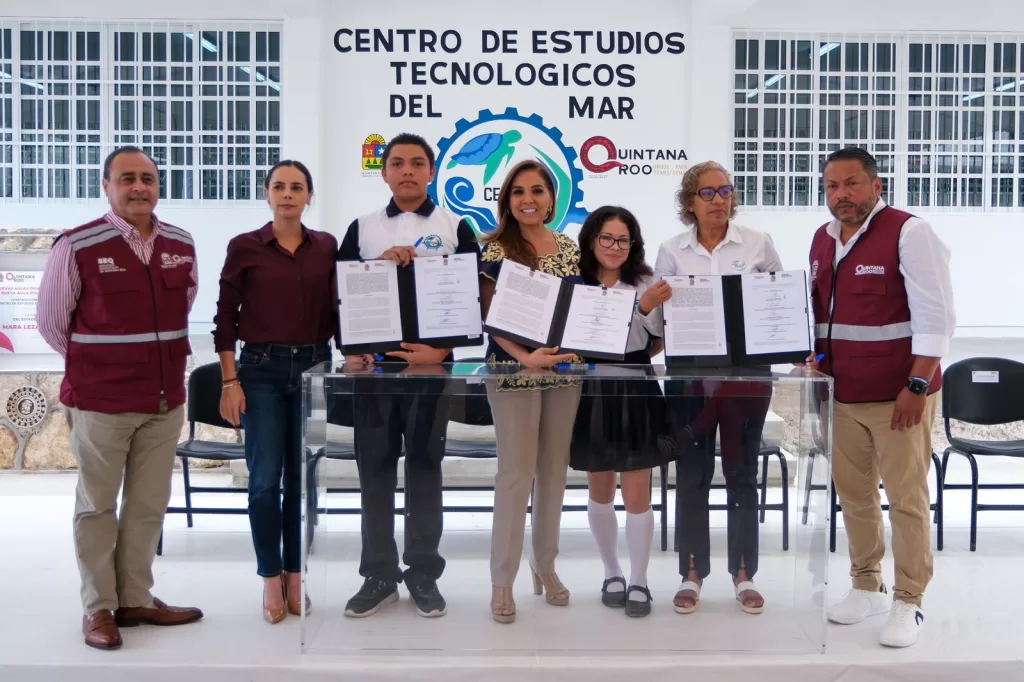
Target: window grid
(7,111)
(942,114)
(203,100)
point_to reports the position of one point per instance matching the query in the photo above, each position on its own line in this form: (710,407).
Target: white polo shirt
(742,251)
(430,230)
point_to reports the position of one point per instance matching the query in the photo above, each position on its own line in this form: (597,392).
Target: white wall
(985,245)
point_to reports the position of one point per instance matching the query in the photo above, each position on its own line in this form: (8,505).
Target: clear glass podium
(767,424)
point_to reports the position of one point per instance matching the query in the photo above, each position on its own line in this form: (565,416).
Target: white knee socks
(639,539)
(605,528)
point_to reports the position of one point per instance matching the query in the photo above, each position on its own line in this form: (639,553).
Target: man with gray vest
(114,302)
(883,306)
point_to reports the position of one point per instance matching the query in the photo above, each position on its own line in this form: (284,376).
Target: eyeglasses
(708,193)
(607,241)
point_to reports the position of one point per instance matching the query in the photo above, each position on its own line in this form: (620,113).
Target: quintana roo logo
(474,161)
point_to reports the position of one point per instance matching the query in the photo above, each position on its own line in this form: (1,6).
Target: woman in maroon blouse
(278,295)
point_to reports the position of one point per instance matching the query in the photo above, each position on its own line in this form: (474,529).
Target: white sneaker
(858,605)
(903,626)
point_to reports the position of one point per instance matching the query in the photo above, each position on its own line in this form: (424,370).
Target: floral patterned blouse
(564,263)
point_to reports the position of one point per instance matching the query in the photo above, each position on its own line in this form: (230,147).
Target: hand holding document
(524,304)
(434,301)
(738,320)
(543,311)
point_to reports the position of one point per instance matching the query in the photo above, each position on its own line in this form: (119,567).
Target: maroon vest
(866,337)
(129,331)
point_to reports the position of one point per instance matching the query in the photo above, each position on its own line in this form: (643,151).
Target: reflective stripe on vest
(856,332)
(129,338)
(88,238)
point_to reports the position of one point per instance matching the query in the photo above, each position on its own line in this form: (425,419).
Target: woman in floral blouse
(534,411)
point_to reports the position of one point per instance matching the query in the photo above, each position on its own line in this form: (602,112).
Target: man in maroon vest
(883,307)
(114,302)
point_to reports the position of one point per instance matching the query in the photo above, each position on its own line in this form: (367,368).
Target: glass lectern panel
(441,482)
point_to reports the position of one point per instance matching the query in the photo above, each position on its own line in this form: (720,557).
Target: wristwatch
(918,385)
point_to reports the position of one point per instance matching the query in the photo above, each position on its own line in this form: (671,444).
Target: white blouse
(742,251)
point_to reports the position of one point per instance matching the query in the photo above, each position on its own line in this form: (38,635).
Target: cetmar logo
(869,270)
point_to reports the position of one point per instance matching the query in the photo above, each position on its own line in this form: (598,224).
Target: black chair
(204,386)
(983,391)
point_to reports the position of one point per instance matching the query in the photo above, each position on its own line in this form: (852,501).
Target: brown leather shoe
(101,631)
(159,614)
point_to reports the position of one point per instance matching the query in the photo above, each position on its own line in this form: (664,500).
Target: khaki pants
(867,450)
(116,551)
(533,429)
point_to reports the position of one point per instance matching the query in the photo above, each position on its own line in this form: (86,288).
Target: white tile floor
(972,632)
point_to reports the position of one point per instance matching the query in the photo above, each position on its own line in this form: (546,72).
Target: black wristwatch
(918,385)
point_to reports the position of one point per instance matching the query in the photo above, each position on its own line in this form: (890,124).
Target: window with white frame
(203,100)
(6,114)
(941,114)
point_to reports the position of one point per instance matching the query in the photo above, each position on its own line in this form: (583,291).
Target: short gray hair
(688,190)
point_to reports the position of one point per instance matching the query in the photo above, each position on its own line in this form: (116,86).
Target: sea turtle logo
(473,163)
(487,150)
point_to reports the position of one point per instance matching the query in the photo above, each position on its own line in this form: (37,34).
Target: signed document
(598,321)
(447,296)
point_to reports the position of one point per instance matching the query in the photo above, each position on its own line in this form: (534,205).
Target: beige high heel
(274,616)
(292,600)
(555,593)
(501,600)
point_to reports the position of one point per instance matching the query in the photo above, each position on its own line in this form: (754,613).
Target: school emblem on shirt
(432,243)
(739,265)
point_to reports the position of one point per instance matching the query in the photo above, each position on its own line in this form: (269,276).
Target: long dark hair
(517,249)
(635,266)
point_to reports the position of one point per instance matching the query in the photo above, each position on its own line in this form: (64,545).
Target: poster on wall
(596,94)
(19,291)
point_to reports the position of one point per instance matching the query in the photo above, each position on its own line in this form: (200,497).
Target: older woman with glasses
(713,245)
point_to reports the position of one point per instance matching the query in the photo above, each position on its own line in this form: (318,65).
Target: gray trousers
(533,429)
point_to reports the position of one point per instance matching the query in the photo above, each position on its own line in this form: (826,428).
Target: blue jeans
(271,376)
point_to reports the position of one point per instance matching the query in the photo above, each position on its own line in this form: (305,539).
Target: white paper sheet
(695,317)
(598,320)
(775,317)
(370,311)
(448,296)
(524,302)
